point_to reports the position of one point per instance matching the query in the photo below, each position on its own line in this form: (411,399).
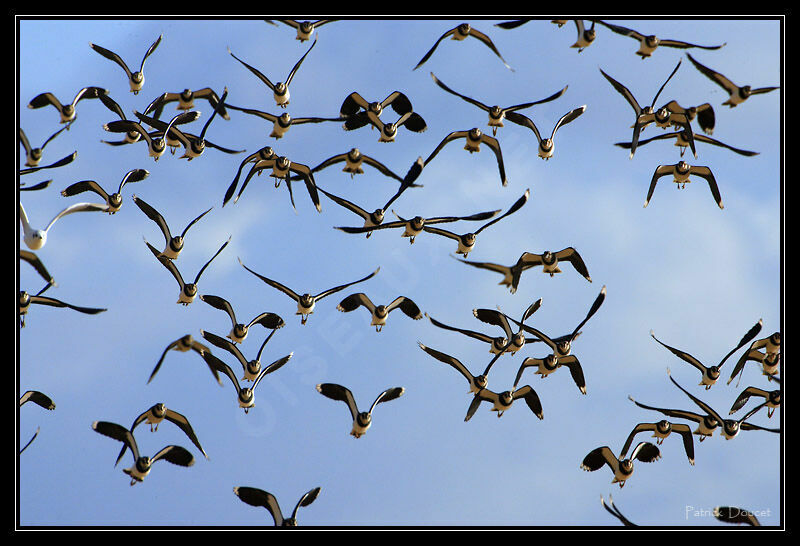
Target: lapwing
(462,32)
(135,79)
(260,498)
(245,395)
(621,466)
(497,113)
(184,344)
(173,244)
(112,200)
(649,43)
(710,374)
(306,302)
(362,420)
(472,143)
(680,172)
(239,330)
(176,455)
(34,155)
(280,90)
(737,95)
(188,290)
(380,313)
(66,111)
(251,368)
(466,242)
(157,413)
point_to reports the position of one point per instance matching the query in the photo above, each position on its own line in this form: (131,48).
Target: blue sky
(699,276)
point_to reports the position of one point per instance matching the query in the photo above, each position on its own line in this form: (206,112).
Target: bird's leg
(303,318)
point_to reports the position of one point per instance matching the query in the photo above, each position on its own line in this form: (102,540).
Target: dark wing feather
(260,498)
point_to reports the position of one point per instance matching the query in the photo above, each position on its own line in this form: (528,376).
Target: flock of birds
(504,335)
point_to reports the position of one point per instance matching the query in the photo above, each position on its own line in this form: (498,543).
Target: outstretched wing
(646,452)
(183,423)
(353,301)
(38,398)
(260,498)
(431,50)
(174,454)
(486,40)
(686,357)
(119,433)
(66,160)
(199,273)
(44,300)
(220,303)
(745,395)
(661,170)
(343,286)
(150,51)
(641,427)
(297,65)
(705,172)
(470,100)
(340,393)
(452,361)
(387,395)
(511,210)
(568,117)
(306,499)
(406,306)
(225,344)
(111,56)
(571,255)
(255,71)
(275,284)
(598,457)
(747,338)
(702,405)
(475,335)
